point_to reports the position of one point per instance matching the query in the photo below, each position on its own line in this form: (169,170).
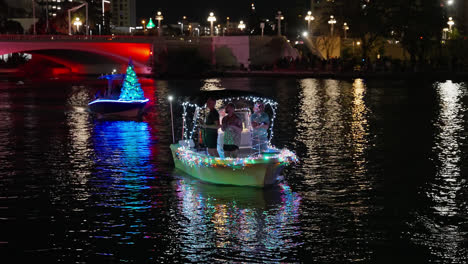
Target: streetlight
(181,27)
(70,20)
(345,28)
(241,25)
(305,34)
(262,26)
(332,23)
(309,18)
(159,18)
(450,23)
(77,24)
(279,17)
(211,19)
(104,11)
(143,22)
(450,2)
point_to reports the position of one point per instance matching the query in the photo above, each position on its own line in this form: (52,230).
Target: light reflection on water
(237,223)
(82,190)
(123,159)
(440,226)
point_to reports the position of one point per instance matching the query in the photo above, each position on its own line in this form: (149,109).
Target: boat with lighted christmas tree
(252,167)
(129,103)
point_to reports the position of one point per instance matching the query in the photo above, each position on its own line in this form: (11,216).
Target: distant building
(53,7)
(123,13)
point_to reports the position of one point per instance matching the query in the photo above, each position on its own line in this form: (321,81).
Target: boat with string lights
(253,166)
(129,102)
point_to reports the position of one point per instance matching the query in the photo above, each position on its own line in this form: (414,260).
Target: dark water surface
(382,178)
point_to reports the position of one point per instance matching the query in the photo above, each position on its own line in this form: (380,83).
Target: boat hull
(115,108)
(257,175)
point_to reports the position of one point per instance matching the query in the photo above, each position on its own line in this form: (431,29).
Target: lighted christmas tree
(131,89)
(150,24)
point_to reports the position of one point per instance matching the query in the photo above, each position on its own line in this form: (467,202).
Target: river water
(382,177)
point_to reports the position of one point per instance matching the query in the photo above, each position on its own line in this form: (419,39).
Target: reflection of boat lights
(216,216)
(123,154)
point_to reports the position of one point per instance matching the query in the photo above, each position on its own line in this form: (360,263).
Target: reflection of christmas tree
(131,89)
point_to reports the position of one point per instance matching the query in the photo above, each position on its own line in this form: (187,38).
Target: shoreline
(433,76)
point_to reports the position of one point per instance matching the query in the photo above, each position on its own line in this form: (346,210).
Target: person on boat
(232,127)
(260,122)
(211,128)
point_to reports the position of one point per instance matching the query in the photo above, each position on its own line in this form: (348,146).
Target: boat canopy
(112,77)
(227,95)
(242,100)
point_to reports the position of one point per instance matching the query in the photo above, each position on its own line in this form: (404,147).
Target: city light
(77,24)
(211,19)
(150,24)
(159,18)
(309,18)
(241,25)
(332,23)
(450,23)
(345,29)
(279,17)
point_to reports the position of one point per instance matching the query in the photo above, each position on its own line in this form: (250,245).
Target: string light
(193,159)
(131,89)
(252,99)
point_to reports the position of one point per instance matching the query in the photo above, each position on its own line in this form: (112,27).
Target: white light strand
(252,99)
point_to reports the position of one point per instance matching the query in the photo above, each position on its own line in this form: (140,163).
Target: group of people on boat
(231,125)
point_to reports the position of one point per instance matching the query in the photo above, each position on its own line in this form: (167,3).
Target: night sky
(198,10)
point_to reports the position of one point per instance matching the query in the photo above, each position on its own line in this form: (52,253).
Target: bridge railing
(110,38)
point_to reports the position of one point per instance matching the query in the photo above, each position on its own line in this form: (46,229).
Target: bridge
(102,54)
(85,54)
